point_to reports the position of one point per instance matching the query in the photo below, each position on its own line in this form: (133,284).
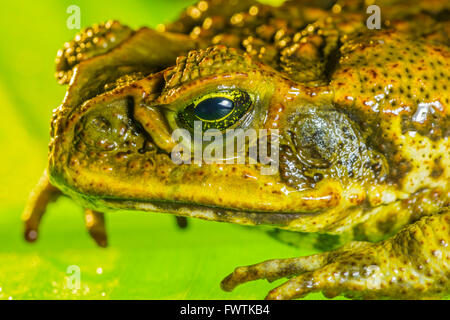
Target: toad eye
(212,109)
(218,110)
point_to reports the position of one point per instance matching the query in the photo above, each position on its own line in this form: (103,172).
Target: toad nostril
(147,147)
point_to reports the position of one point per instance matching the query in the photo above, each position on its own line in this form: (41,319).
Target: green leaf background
(148,256)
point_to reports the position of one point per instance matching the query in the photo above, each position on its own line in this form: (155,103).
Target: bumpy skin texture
(363,120)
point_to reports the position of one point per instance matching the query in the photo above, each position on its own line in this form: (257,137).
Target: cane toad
(361,118)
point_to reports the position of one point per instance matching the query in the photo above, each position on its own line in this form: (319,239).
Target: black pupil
(213,108)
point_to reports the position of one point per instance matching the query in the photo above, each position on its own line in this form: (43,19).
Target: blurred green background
(148,257)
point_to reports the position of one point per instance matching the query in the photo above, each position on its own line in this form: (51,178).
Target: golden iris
(217,110)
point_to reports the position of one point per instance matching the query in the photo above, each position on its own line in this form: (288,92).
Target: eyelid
(214,94)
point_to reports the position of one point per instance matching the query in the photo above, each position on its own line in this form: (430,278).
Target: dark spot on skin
(436,125)
(438,170)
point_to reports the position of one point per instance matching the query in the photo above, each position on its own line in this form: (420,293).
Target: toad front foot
(413,264)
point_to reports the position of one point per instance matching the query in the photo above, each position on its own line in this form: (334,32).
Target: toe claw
(182,222)
(99,238)
(237,277)
(272,270)
(31,235)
